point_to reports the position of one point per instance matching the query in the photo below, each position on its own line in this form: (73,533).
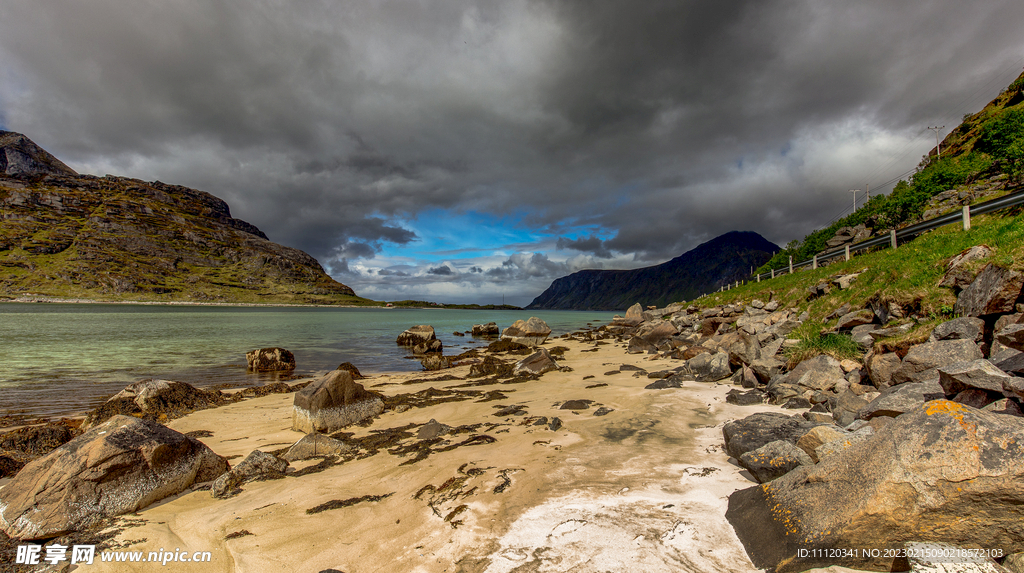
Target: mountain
(720,261)
(113,238)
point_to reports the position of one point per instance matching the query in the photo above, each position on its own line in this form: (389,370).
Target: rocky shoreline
(677,438)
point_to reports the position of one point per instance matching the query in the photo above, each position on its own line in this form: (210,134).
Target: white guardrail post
(967,217)
(892,238)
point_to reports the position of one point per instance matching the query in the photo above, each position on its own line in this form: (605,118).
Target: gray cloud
(589,244)
(442,270)
(663,124)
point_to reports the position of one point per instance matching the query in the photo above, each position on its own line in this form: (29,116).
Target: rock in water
(531,332)
(537,363)
(333,402)
(118,467)
(942,472)
(270,360)
(489,329)
(419,334)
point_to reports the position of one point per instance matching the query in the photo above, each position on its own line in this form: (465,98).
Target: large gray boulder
(709,367)
(922,361)
(333,402)
(270,360)
(419,334)
(901,399)
(965,327)
(942,472)
(118,467)
(756,430)
(980,374)
(743,348)
(993,291)
(532,332)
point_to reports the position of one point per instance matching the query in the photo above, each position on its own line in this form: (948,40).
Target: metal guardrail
(899,236)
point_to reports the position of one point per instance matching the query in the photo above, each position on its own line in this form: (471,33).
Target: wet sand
(642,488)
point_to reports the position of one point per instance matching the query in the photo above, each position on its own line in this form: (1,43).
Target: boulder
(934,474)
(847,406)
(903,398)
(693,351)
(816,437)
(532,332)
(957,276)
(774,460)
(963,328)
(351,369)
(117,467)
(536,364)
(993,291)
(333,402)
(489,329)
(855,318)
(709,367)
(922,361)
(640,345)
(766,368)
(634,315)
(152,398)
(1012,337)
(881,367)
(756,430)
(270,360)
(741,347)
(980,374)
(315,445)
(419,334)
(435,361)
(863,335)
(749,398)
(256,466)
(433,346)
(1005,406)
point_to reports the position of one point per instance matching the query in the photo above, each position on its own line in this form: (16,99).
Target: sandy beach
(642,488)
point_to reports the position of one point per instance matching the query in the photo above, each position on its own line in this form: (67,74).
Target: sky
(472,152)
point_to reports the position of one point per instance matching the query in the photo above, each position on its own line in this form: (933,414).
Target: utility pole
(867,192)
(854,191)
(938,150)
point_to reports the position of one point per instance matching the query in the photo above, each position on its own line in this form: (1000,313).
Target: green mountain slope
(114,238)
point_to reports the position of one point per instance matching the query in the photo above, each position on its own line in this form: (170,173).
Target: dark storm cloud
(663,123)
(590,244)
(442,270)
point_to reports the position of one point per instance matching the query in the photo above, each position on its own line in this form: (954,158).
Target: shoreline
(646,484)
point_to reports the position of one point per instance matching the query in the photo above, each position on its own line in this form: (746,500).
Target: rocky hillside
(113,238)
(706,268)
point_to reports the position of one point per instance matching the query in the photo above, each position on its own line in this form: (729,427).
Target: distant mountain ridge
(722,260)
(115,238)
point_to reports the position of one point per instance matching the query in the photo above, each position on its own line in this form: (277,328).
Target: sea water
(59,359)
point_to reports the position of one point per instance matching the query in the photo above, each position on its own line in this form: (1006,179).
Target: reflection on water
(63,358)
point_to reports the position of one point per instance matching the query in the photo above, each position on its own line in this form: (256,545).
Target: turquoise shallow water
(65,358)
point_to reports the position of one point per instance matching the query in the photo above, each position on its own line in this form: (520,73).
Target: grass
(908,275)
(812,342)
